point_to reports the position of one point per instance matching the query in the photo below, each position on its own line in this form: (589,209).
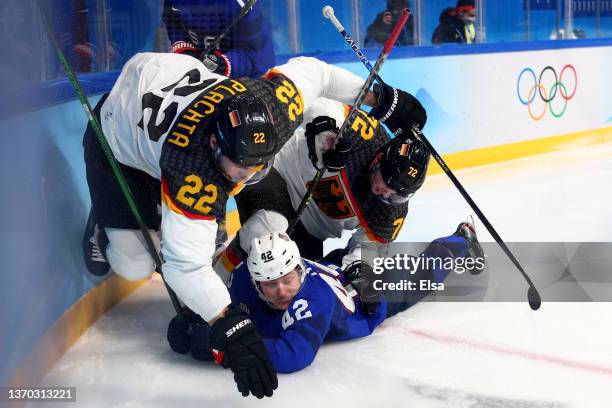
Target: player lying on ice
(198,137)
(296,304)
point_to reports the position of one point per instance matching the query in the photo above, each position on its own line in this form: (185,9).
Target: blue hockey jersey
(325,308)
(248,46)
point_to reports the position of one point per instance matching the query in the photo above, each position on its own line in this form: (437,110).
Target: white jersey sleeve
(361,247)
(295,167)
(188,263)
(315,78)
(151,104)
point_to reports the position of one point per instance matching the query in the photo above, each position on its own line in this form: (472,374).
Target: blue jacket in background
(248,46)
(322,310)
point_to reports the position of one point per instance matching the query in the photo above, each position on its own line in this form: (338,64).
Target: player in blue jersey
(247,50)
(296,304)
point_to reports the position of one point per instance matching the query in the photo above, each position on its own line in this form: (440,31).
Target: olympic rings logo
(558,87)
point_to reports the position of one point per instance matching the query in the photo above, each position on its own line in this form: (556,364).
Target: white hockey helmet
(272,256)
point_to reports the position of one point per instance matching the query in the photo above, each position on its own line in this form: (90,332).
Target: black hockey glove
(245,353)
(217,62)
(361,275)
(398,109)
(333,159)
(178,334)
(190,332)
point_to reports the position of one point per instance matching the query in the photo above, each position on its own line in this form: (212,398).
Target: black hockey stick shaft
(533,295)
(214,44)
(95,124)
(352,114)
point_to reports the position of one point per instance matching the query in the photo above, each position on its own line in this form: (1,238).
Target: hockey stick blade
(533,295)
(535,301)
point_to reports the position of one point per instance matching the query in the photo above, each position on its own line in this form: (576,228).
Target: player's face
(382,191)
(378,186)
(280,292)
(468,16)
(234,172)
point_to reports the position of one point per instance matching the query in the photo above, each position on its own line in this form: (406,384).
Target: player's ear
(213,141)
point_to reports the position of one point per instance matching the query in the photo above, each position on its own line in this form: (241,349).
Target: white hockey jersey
(153,120)
(335,208)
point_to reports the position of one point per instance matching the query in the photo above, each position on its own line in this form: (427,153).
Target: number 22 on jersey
(194,187)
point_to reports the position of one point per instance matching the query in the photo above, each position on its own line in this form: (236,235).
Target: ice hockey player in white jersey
(368,183)
(297,304)
(187,139)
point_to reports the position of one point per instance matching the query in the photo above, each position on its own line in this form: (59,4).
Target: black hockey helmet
(245,131)
(403,164)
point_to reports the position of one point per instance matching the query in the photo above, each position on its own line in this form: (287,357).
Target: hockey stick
(214,44)
(328,12)
(353,112)
(533,296)
(93,121)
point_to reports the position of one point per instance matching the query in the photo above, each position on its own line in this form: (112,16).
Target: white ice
(459,355)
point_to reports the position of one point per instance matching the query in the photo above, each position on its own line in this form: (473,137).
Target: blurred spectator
(575,34)
(456,24)
(69,21)
(194,24)
(383,24)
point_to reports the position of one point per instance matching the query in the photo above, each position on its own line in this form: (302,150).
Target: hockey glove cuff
(335,159)
(398,109)
(185,47)
(217,62)
(245,353)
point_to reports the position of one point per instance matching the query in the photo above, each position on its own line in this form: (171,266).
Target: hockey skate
(468,231)
(94,243)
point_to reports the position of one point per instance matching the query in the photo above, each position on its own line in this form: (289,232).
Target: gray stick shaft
(243,12)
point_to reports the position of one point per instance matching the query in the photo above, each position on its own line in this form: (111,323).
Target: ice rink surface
(435,355)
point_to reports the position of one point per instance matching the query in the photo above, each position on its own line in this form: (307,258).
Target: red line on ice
(507,350)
